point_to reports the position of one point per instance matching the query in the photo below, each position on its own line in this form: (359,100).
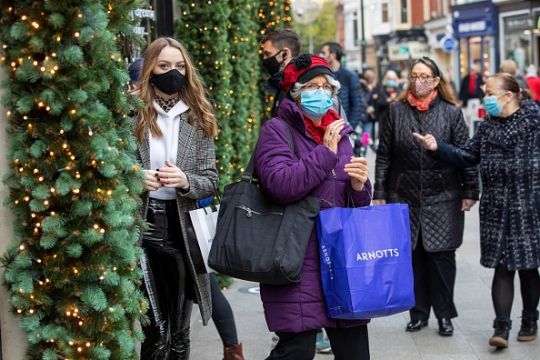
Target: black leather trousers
(165,284)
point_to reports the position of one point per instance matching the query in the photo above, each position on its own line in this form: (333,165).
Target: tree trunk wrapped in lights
(72,271)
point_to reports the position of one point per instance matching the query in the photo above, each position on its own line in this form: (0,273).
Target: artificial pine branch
(74,183)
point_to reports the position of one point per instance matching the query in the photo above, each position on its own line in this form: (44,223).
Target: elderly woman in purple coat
(323,166)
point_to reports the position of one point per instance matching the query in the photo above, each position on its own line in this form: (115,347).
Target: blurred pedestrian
(509,66)
(382,96)
(175,122)
(322,166)
(507,147)
(278,49)
(134,71)
(368,83)
(223,318)
(533,80)
(437,193)
(471,85)
(350,96)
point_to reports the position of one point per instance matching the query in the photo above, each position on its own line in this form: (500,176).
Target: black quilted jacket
(432,188)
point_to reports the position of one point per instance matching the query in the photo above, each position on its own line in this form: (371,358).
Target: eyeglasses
(310,86)
(420,77)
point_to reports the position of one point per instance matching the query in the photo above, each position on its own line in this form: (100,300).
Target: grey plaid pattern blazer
(196,157)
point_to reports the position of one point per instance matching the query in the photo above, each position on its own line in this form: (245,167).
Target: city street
(388,340)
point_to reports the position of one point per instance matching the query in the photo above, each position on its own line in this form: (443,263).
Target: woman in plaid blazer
(174,132)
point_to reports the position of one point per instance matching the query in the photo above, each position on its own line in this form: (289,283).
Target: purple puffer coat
(286,178)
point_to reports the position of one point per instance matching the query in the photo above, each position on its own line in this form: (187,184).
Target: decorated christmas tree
(245,62)
(72,269)
(203,28)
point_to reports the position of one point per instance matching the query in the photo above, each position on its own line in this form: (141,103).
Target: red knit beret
(304,68)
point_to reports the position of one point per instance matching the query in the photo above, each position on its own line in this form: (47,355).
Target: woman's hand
(171,176)
(428,141)
(379,201)
(151,182)
(467,204)
(331,135)
(358,171)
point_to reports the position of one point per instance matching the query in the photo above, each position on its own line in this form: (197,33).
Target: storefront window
(476,49)
(517,40)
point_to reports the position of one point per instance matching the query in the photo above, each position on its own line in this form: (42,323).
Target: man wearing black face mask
(278,49)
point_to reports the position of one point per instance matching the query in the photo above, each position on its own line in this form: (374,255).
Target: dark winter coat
(350,96)
(197,159)
(465,95)
(406,173)
(508,151)
(286,178)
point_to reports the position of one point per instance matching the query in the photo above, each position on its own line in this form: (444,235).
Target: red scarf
(317,129)
(421,104)
(472,83)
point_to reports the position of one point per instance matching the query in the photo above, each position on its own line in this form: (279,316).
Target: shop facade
(519,32)
(475,28)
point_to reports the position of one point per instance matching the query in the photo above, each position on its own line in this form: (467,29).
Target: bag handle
(250,169)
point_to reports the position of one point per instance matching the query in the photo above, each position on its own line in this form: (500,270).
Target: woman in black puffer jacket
(437,193)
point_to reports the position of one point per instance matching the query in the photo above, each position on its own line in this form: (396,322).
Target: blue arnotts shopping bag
(366,265)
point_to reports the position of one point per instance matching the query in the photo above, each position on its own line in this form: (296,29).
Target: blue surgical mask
(391,83)
(492,106)
(315,103)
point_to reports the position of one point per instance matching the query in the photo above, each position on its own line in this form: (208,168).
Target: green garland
(72,269)
(203,30)
(243,38)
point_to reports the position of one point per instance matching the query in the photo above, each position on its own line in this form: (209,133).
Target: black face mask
(271,64)
(170,82)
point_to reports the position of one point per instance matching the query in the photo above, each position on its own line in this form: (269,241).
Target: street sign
(448,43)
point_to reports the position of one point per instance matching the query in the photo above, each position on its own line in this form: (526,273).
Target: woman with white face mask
(437,193)
(507,147)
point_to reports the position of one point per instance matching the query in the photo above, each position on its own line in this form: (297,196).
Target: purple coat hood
(286,178)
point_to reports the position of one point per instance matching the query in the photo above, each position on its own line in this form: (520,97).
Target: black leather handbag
(257,239)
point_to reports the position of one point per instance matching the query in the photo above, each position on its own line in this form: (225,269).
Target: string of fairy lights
(71,269)
(68,175)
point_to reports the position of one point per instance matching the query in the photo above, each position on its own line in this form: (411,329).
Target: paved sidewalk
(388,340)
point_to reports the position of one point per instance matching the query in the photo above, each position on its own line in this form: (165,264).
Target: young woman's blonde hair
(193,94)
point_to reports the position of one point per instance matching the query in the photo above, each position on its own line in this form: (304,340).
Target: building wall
(417,13)
(13,339)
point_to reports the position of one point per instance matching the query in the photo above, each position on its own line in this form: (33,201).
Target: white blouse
(166,147)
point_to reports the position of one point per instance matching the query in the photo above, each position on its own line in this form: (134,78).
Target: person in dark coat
(471,85)
(278,48)
(436,192)
(350,94)
(507,147)
(323,166)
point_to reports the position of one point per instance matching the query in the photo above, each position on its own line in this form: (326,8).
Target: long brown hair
(443,88)
(193,94)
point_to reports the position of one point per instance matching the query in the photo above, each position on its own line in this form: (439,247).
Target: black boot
(180,330)
(502,332)
(529,325)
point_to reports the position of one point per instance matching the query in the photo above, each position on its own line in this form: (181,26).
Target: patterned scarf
(166,104)
(421,104)
(317,129)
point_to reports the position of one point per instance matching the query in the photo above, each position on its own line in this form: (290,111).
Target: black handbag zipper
(250,211)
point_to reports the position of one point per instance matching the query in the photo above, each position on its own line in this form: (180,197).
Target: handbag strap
(250,169)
